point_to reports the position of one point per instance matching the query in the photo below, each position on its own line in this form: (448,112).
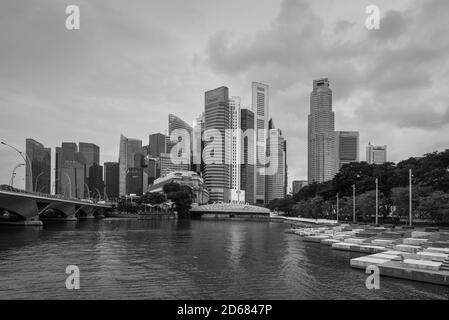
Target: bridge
(221,209)
(19,207)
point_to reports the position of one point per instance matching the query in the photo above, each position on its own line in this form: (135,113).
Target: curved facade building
(175,123)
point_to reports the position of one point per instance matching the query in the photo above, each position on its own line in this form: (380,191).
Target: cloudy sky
(134,62)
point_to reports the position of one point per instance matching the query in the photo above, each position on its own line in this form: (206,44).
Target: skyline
(141,82)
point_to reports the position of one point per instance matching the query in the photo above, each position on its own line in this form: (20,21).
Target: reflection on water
(131,259)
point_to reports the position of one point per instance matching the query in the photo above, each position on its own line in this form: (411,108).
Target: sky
(133,62)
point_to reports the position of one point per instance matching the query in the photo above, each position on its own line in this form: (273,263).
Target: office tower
(346,148)
(298,185)
(247,179)
(70,171)
(40,159)
(91,154)
(276,168)
(217,122)
(285,169)
(96,184)
(376,154)
(134,180)
(321,127)
(198,145)
(169,165)
(157,145)
(111,180)
(129,158)
(234,149)
(185,147)
(260,98)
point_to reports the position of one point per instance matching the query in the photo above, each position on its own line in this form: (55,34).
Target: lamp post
(26,159)
(410,196)
(353,203)
(88,190)
(377,201)
(37,179)
(11,181)
(337,207)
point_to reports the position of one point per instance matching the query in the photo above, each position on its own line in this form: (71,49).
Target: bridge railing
(46,195)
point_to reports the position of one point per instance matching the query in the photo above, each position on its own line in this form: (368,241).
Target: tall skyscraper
(276,167)
(234,148)
(346,148)
(376,154)
(91,154)
(247,179)
(111,180)
(217,122)
(96,184)
(198,144)
(70,171)
(157,145)
(168,166)
(260,107)
(130,149)
(40,158)
(321,127)
(184,148)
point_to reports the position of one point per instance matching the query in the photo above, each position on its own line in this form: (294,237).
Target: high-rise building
(285,169)
(157,145)
(260,107)
(134,181)
(91,154)
(198,144)
(217,123)
(321,127)
(70,171)
(176,123)
(247,179)
(130,158)
(376,154)
(40,159)
(96,184)
(234,148)
(169,165)
(276,168)
(298,185)
(111,180)
(346,148)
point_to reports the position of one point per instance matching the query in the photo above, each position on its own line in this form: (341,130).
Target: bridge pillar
(19,211)
(66,212)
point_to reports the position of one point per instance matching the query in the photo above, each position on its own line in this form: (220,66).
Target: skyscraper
(247,179)
(40,158)
(234,147)
(111,179)
(217,121)
(260,98)
(376,154)
(91,154)
(184,148)
(157,144)
(321,127)
(168,165)
(346,148)
(96,184)
(198,144)
(70,171)
(276,167)
(129,149)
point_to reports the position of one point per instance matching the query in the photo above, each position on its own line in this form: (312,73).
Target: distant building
(169,165)
(40,158)
(376,154)
(346,148)
(70,171)
(276,167)
(234,149)
(247,178)
(111,179)
(91,154)
(134,180)
(130,157)
(176,123)
(217,120)
(260,107)
(298,185)
(189,178)
(321,127)
(96,184)
(198,144)
(157,145)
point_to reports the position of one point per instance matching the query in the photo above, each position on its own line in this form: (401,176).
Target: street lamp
(11,181)
(37,179)
(377,200)
(410,196)
(353,203)
(26,159)
(337,207)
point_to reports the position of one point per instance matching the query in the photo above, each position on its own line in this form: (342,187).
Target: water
(131,259)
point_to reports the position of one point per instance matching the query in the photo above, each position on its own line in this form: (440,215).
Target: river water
(144,259)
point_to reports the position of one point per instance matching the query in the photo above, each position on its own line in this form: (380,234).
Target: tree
(153,198)
(181,195)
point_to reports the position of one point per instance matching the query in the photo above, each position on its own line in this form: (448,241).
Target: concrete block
(382,242)
(366,261)
(440,250)
(414,241)
(355,240)
(422,264)
(407,248)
